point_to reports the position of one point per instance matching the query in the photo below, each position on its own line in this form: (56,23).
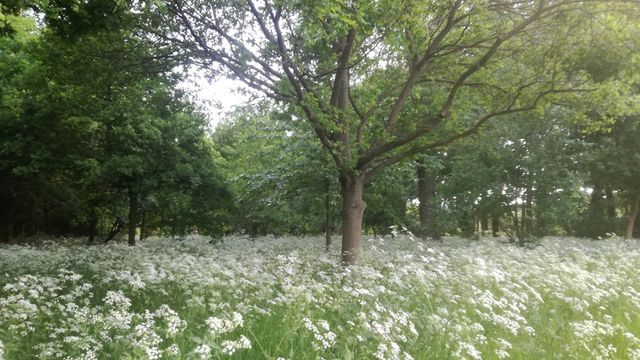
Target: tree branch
(376,166)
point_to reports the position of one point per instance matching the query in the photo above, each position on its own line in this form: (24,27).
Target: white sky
(218,97)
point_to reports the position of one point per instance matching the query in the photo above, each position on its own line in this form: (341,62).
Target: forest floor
(286,298)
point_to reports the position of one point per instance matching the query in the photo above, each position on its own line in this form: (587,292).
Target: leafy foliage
(82,123)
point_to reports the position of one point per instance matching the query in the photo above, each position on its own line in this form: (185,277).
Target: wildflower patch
(286,298)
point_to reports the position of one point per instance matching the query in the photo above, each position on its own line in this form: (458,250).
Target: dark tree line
(95,135)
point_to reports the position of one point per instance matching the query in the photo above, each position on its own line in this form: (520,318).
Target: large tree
(91,125)
(382,81)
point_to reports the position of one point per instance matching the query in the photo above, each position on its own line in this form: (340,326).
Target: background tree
(281,178)
(92,129)
(380,82)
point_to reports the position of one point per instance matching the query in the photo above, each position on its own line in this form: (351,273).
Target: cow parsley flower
(202,351)
(323,339)
(172,350)
(218,326)
(230,347)
(117,299)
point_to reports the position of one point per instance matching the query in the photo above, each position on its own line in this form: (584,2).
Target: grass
(287,298)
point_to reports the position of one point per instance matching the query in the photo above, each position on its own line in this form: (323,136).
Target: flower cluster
(218,326)
(323,337)
(288,298)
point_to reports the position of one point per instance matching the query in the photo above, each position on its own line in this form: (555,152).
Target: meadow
(286,298)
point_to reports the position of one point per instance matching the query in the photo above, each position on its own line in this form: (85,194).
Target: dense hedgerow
(285,298)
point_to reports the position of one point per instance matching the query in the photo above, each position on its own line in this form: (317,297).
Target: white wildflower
(380,352)
(172,350)
(117,299)
(219,326)
(202,351)
(230,347)
(466,349)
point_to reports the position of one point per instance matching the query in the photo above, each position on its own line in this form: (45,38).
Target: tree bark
(353,207)
(118,225)
(143,224)
(93,225)
(495,225)
(426,194)
(597,195)
(253,231)
(133,215)
(631,218)
(516,223)
(484,222)
(527,213)
(328,226)
(611,203)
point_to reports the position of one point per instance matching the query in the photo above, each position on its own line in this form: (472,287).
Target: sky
(218,97)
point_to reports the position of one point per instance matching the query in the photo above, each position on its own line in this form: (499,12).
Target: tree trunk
(426,194)
(527,213)
(611,203)
(597,195)
(495,225)
(484,222)
(631,218)
(118,225)
(352,210)
(143,224)
(133,215)
(516,223)
(253,231)
(93,225)
(328,226)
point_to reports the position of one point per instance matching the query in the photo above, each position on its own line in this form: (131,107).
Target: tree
(428,167)
(608,123)
(280,176)
(382,81)
(93,129)
(613,164)
(38,163)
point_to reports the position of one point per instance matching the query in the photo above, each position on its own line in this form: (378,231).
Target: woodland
(408,179)
(469,118)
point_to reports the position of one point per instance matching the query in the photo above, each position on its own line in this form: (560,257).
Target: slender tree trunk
(93,225)
(631,218)
(143,224)
(328,226)
(495,225)
(426,194)
(133,215)
(527,213)
(352,210)
(484,223)
(516,223)
(118,225)
(597,195)
(611,204)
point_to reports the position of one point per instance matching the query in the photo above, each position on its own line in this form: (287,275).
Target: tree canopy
(382,81)
(440,116)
